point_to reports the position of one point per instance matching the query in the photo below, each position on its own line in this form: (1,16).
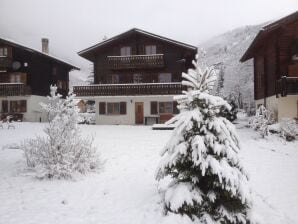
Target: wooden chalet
(275,54)
(136,75)
(25,77)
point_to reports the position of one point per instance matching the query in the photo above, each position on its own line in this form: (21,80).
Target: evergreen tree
(208,182)
(63,151)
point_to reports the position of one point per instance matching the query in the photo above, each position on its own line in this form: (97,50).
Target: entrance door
(139,112)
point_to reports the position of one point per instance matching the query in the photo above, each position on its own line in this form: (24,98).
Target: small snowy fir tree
(208,183)
(261,120)
(63,151)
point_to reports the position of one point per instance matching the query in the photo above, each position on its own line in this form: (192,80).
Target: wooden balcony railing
(136,61)
(287,85)
(129,89)
(14,89)
(5,62)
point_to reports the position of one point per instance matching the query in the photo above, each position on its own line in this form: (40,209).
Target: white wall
(129,117)
(283,107)
(287,107)
(34,112)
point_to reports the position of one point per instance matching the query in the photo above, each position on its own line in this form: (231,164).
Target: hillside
(225,52)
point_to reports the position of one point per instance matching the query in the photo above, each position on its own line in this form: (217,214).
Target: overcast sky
(72,25)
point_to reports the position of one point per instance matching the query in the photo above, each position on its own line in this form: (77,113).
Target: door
(139,112)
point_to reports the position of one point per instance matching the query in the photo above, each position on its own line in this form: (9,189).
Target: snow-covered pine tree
(63,151)
(208,182)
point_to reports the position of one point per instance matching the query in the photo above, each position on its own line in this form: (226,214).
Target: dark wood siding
(274,58)
(176,60)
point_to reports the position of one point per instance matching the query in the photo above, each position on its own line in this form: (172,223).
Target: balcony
(136,61)
(287,85)
(129,89)
(14,89)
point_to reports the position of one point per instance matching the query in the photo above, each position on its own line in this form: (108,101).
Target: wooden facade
(25,71)
(275,54)
(136,56)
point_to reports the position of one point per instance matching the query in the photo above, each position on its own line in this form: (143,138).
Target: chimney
(45,45)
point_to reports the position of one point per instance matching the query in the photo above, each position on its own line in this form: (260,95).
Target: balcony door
(165,77)
(139,112)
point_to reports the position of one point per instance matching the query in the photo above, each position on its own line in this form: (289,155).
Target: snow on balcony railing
(136,61)
(129,89)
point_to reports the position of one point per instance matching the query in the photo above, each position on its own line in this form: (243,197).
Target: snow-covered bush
(208,182)
(289,129)
(63,151)
(261,120)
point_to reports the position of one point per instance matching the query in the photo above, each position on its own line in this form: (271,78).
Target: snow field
(124,189)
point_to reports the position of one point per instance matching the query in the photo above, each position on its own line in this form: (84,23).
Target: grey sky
(73,25)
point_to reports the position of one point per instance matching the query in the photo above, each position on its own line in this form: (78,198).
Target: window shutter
(122,107)
(23,106)
(153,107)
(102,107)
(159,49)
(4,106)
(175,109)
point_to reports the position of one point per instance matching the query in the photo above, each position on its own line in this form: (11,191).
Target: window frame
(150,49)
(116,108)
(3,51)
(125,51)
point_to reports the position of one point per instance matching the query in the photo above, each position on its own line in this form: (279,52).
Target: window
(102,108)
(125,51)
(18,106)
(114,79)
(137,78)
(165,107)
(61,84)
(116,108)
(164,77)
(18,78)
(15,78)
(3,51)
(4,106)
(153,107)
(150,49)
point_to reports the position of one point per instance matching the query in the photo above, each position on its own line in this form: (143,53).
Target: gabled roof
(135,30)
(267,30)
(47,56)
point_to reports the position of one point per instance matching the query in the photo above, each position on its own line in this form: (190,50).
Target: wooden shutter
(13,106)
(23,78)
(175,109)
(159,49)
(122,107)
(23,106)
(153,107)
(102,107)
(4,106)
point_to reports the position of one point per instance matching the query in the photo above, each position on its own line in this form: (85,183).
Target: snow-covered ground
(124,191)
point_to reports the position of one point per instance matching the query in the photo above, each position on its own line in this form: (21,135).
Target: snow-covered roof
(30,49)
(266,30)
(136,30)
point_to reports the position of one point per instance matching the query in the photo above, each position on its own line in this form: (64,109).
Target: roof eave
(103,43)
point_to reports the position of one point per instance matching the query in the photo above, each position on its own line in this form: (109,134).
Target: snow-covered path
(124,190)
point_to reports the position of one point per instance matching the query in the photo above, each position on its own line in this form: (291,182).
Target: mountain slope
(224,51)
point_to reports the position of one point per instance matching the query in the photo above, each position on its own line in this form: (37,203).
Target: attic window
(150,49)
(3,51)
(125,51)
